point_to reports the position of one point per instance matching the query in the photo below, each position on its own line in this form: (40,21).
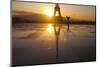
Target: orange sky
(75,11)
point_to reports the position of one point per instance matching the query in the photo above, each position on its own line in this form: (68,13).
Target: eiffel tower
(57,10)
(58,20)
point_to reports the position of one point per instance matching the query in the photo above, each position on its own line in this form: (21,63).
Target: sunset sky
(75,11)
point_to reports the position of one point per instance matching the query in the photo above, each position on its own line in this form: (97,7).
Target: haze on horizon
(74,11)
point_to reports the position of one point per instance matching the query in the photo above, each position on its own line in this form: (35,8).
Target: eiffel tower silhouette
(57,27)
(57,10)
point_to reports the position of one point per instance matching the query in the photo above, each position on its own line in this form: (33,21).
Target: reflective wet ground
(34,44)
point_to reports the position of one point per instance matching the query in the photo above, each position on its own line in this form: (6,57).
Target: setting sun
(50,28)
(49,12)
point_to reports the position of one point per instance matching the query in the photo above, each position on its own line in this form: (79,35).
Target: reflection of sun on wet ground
(50,28)
(46,32)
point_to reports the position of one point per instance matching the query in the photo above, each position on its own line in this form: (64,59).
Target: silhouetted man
(68,22)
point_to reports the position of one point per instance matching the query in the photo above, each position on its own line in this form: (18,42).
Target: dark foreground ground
(32,44)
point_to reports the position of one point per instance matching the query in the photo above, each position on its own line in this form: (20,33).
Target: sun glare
(49,12)
(50,28)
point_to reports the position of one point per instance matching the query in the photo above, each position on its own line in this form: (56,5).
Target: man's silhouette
(68,22)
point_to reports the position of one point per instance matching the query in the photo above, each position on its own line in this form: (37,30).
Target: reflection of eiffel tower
(57,27)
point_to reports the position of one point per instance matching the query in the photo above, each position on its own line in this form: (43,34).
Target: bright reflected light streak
(50,28)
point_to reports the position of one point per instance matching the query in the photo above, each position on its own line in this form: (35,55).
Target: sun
(49,12)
